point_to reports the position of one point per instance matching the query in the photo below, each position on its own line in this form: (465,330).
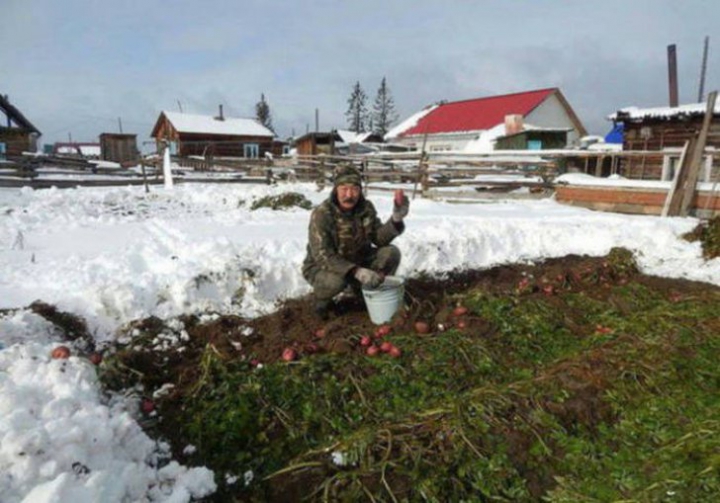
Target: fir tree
(357,113)
(383,110)
(262,113)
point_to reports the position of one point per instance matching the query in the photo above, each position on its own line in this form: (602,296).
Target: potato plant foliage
(578,379)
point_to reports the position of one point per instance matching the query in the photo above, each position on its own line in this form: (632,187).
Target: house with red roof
(476,125)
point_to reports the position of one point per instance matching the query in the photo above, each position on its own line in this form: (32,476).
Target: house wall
(315,144)
(439,142)
(221,145)
(549,139)
(306,146)
(552,113)
(664,135)
(118,147)
(17,141)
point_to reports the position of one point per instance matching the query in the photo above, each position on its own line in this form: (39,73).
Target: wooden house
(119,147)
(474,125)
(208,136)
(17,134)
(665,129)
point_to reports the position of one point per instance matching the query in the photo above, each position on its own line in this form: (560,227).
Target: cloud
(77,65)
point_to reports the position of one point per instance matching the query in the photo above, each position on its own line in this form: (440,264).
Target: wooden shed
(118,147)
(219,136)
(665,129)
(17,134)
(317,143)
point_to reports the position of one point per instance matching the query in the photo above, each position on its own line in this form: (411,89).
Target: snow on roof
(191,123)
(410,122)
(348,136)
(485,141)
(353,137)
(361,137)
(477,114)
(89,150)
(636,113)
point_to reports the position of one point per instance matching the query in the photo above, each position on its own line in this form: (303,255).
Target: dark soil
(246,343)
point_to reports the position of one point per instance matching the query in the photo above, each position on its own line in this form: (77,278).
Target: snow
(90,150)
(117,254)
(408,123)
(662,112)
(619,181)
(485,142)
(192,123)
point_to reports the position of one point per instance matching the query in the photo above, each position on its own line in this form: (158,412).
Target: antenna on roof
(703,68)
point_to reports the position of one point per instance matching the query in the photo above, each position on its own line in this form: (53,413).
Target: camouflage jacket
(338,241)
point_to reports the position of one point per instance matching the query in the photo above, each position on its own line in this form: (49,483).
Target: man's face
(348,196)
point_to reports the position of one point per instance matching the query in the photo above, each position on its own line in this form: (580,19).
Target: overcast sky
(73,67)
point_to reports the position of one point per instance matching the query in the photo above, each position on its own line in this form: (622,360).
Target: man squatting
(348,245)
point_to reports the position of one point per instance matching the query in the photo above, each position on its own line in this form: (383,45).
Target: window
(534,144)
(3,150)
(671,163)
(251,150)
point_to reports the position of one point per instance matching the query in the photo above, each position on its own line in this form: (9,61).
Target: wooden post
(697,157)
(642,161)
(421,168)
(599,161)
(424,177)
(142,167)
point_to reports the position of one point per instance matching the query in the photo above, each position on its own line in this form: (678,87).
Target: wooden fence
(481,174)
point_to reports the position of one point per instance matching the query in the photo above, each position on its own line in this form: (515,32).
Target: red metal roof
(478,114)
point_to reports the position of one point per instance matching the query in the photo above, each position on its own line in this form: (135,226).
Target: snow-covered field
(112,255)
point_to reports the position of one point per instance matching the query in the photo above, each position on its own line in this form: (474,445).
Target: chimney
(513,124)
(220,117)
(672,75)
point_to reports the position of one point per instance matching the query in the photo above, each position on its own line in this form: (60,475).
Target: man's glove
(368,277)
(401,206)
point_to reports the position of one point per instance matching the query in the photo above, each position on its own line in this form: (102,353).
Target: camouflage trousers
(326,285)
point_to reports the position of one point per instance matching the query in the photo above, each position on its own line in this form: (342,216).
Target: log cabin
(218,136)
(17,134)
(666,129)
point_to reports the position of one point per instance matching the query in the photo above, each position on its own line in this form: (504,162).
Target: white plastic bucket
(384,301)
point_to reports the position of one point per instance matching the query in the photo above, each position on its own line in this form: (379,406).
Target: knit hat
(347,174)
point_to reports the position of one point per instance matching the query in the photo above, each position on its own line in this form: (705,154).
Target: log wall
(656,135)
(16,141)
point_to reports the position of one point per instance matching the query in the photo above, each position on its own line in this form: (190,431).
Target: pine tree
(383,110)
(357,113)
(263,114)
